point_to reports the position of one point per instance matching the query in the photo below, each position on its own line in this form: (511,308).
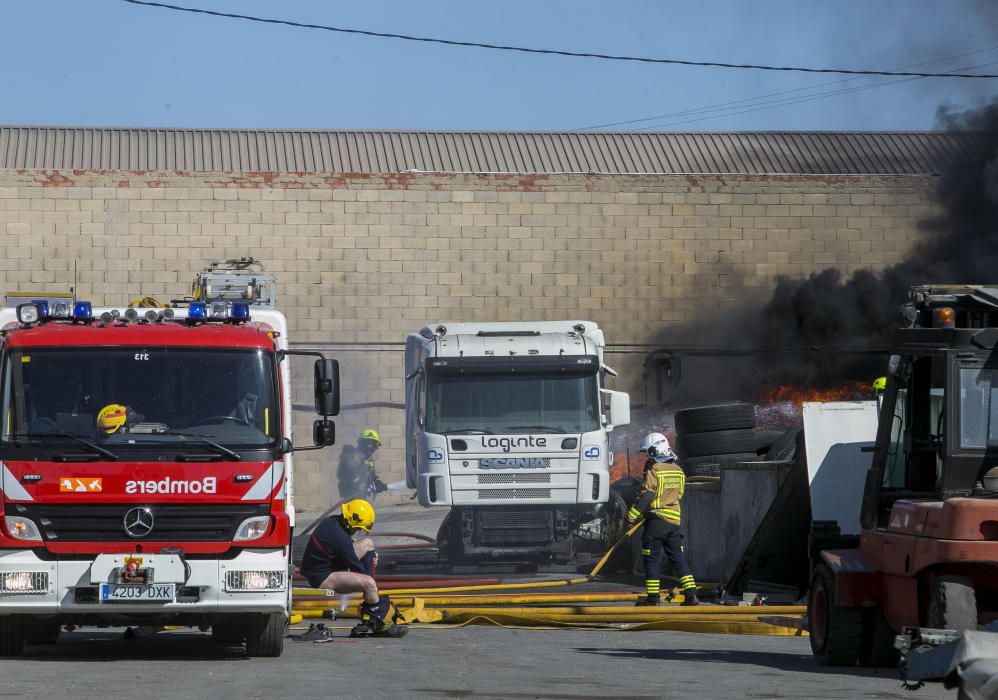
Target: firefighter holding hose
(658,503)
(334,561)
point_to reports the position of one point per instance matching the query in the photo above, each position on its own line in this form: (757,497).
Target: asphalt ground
(471,662)
(474,662)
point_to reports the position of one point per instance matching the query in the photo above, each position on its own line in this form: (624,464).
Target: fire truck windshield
(123,397)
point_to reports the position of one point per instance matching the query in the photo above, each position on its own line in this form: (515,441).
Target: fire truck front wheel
(11,635)
(265,634)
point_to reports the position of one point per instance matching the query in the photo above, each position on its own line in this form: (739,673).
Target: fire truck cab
(147,473)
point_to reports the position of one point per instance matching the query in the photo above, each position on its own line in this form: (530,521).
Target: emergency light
(224,311)
(83,311)
(197,311)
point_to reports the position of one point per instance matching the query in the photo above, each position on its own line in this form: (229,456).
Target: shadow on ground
(111,646)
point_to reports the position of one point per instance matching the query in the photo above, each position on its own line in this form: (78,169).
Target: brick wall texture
(363,260)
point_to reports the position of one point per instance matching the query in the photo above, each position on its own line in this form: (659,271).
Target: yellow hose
(713,626)
(499,599)
(621,613)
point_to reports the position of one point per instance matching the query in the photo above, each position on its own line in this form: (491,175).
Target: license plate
(138,592)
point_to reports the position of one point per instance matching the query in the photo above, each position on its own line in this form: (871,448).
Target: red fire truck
(146,474)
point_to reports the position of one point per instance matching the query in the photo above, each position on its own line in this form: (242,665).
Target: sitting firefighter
(334,561)
(658,503)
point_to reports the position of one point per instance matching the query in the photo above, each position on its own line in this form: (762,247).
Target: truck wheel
(719,442)
(952,604)
(265,634)
(704,419)
(836,633)
(11,636)
(228,632)
(41,631)
(878,640)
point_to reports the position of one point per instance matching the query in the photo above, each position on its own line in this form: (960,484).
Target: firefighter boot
(690,597)
(379,620)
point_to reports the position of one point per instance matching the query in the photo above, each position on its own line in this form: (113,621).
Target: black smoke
(815,330)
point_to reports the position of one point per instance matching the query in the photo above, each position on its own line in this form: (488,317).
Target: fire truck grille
(514,478)
(171,523)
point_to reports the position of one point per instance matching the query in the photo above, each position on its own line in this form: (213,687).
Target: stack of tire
(709,437)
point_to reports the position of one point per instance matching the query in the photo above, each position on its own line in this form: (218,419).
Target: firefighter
(334,561)
(658,503)
(356,475)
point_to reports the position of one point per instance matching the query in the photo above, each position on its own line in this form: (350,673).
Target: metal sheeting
(386,152)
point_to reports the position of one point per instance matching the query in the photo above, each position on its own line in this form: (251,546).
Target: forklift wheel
(835,633)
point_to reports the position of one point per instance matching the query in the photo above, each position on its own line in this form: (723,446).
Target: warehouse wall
(363,260)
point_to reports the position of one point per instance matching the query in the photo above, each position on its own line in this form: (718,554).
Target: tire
(765,439)
(836,633)
(265,634)
(719,442)
(228,632)
(952,604)
(785,447)
(705,419)
(41,631)
(11,636)
(878,641)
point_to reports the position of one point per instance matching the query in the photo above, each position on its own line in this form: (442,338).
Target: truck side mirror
(327,388)
(323,433)
(620,408)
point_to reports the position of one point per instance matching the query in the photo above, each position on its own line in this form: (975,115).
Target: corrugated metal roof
(383,152)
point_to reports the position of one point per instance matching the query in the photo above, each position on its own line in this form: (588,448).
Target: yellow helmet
(880,384)
(111,418)
(358,513)
(371,434)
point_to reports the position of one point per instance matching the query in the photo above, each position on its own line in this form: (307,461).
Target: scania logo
(138,522)
(508,443)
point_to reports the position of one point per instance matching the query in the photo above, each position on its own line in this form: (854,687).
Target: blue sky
(104,62)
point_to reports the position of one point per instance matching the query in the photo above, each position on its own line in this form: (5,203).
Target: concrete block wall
(363,260)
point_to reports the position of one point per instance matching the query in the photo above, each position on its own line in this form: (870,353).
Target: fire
(786,393)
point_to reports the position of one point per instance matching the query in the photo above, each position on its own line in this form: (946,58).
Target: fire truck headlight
(252,528)
(21,528)
(254,581)
(24,582)
(28,313)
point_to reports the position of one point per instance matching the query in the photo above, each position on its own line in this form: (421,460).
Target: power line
(550,52)
(773,104)
(725,106)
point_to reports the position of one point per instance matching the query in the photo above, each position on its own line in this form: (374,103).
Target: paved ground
(466,663)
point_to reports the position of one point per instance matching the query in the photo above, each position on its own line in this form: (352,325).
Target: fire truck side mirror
(323,433)
(327,387)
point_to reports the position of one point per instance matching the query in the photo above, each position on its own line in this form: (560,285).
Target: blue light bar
(43,307)
(197,311)
(240,311)
(83,311)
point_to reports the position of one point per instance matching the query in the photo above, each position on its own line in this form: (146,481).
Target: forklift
(927,552)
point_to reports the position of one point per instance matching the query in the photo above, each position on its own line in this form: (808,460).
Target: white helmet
(658,448)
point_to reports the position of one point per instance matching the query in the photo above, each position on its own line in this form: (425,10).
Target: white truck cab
(507,423)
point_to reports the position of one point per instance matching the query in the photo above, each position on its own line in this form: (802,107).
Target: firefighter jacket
(663,487)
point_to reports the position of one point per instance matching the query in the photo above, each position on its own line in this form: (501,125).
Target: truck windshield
(978,408)
(227,396)
(511,404)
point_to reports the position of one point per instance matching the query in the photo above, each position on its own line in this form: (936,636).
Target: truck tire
(41,631)
(878,640)
(11,636)
(265,634)
(705,419)
(228,632)
(835,633)
(952,604)
(785,447)
(765,439)
(719,442)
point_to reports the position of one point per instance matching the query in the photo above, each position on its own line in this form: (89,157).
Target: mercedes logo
(138,522)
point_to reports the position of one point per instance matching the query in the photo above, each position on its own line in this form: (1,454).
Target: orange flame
(786,393)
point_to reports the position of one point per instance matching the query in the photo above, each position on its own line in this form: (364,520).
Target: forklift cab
(938,428)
